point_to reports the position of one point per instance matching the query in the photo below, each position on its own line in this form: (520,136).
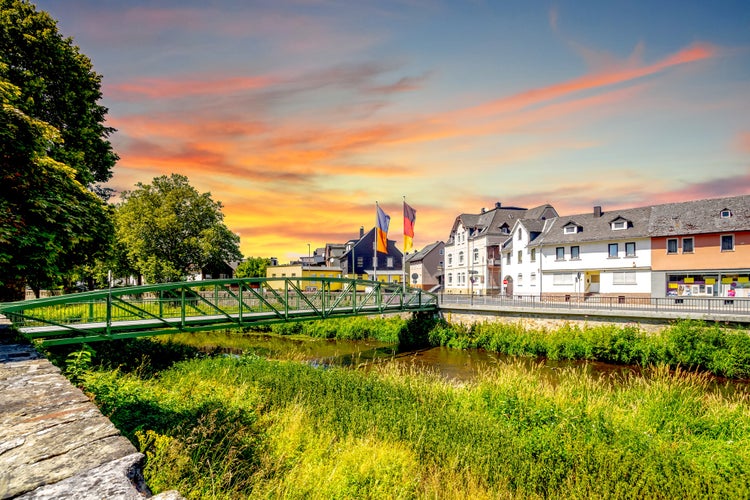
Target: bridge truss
(149,310)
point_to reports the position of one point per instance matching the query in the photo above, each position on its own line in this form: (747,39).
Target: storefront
(726,284)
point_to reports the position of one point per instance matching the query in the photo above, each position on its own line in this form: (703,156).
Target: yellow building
(307,276)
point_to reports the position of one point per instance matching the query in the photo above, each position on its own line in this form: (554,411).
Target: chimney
(484,210)
(361,232)
(498,204)
(597,211)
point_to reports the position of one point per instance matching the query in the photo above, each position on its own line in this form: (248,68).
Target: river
(451,364)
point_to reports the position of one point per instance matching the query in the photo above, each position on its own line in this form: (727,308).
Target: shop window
(672,245)
(575,252)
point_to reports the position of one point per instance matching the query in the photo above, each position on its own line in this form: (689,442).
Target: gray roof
(598,227)
(490,222)
(418,256)
(700,216)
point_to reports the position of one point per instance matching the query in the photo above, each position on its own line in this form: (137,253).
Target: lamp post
(308,250)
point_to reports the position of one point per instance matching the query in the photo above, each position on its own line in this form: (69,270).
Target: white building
(472,252)
(581,256)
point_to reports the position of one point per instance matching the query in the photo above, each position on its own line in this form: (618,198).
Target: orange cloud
(161,88)
(694,53)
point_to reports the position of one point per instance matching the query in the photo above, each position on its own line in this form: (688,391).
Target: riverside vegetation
(242,426)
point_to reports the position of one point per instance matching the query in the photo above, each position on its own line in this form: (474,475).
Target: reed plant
(719,349)
(230,427)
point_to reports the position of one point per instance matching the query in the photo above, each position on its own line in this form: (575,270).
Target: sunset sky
(298,116)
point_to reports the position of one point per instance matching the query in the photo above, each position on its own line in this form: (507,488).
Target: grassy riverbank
(238,427)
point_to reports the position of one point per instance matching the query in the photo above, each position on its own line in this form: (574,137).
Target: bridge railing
(189,306)
(700,305)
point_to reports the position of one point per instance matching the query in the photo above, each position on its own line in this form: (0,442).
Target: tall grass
(234,427)
(693,345)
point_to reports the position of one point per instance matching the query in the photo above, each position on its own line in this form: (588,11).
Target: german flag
(410,217)
(381,231)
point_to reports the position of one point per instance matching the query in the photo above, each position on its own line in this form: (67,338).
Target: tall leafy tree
(170,230)
(253,267)
(53,147)
(58,86)
(49,221)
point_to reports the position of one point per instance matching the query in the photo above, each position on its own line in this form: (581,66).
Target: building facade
(424,268)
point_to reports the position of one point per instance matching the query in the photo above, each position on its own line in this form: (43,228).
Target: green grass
(693,345)
(233,427)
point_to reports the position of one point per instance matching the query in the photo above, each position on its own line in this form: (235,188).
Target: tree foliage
(49,221)
(58,86)
(252,267)
(53,145)
(169,230)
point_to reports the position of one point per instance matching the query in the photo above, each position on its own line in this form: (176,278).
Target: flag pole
(403,259)
(375,246)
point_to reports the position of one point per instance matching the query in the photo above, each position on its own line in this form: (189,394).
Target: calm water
(459,365)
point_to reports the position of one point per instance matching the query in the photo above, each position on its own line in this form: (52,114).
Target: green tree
(49,221)
(58,86)
(170,230)
(252,267)
(53,145)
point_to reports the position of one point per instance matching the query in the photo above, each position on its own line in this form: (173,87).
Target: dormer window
(504,229)
(570,229)
(726,213)
(619,224)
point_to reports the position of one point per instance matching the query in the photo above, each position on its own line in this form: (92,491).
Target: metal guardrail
(707,305)
(204,305)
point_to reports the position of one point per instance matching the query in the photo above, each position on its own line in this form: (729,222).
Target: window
(504,229)
(476,255)
(575,252)
(726,213)
(623,278)
(619,224)
(460,257)
(519,281)
(687,245)
(389,262)
(727,242)
(507,258)
(450,278)
(562,279)
(450,259)
(570,229)
(533,255)
(672,245)
(533,279)
(630,249)
(560,253)
(360,261)
(519,234)
(613,250)
(520,256)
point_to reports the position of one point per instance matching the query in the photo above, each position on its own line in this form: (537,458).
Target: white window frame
(614,246)
(570,229)
(558,251)
(692,245)
(619,225)
(721,242)
(624,278)
(676,246)
(633,253)
(562,279)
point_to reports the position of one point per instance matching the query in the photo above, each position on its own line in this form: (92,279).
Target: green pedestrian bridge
(149,310)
